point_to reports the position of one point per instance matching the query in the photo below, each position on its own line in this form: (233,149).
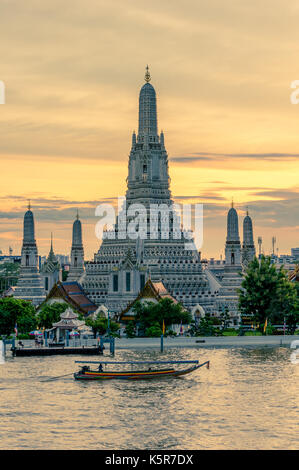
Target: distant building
(295,253)
(9,274)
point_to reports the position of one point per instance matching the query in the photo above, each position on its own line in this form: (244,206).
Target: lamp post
(108,328)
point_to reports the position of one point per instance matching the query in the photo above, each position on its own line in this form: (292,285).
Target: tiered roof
(73,294)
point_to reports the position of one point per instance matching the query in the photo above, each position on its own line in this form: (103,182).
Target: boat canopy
(136,362)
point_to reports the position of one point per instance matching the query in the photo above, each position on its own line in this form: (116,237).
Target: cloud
(206,156)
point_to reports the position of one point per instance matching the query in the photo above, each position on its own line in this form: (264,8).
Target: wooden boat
(87,374)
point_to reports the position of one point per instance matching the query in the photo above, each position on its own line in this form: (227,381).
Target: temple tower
(77,252)
(51,270)
(248,248)
(161,249)
(29,286)
(232,246)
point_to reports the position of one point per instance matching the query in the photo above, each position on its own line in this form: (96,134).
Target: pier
(51,351)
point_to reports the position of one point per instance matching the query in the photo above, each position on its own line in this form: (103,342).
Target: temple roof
(73,294)
(294,275)
(151,290)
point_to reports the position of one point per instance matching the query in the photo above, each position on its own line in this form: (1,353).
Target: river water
(248,399)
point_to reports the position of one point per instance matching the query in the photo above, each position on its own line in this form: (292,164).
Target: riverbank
(207,342)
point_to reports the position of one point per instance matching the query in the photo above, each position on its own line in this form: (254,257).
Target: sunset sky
(222,71)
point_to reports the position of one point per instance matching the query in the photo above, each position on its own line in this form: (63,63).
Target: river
(248,399)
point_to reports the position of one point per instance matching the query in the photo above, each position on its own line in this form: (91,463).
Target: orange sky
(222,73)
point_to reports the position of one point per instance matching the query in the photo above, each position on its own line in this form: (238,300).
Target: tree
(151,314)
(16,311)
(50,313)
(205,326)
(9,273)
(130,330)
(267,294)
(100,325)
(224,318)
(154,331)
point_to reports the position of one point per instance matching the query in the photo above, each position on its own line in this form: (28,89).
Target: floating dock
(46,351)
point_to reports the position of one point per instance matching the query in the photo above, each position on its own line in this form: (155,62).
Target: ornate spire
(147,76)
(29,205)
(147,110)
(28,232)
(77,232)
(232,225)
(51,249)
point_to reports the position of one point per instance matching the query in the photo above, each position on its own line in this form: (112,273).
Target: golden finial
(232,202)
(147,76)
(247,212)
(77,214)
(29,205)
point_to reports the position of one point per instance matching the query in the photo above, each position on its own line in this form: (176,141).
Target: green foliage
(205,326)
(50,313)
(224,318)
(24,336)
(154,331)
(18,311)
(130,330)
(252,333)
(229,333)
(9,273)
(100,325)
(267,294)
(150,314)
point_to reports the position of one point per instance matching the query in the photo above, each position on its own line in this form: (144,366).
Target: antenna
(260,241)
(273,245)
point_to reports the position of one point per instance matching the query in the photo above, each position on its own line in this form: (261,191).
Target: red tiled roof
(73,294)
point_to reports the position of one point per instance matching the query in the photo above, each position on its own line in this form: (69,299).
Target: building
(248,248)
(72,294)
(9,274)
(68,322)
(151,292)
(231,277)
(123,265)
(51,270)
(30,285)
(295,253)
(77,253)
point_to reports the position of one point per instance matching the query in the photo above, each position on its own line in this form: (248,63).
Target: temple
(123,265)
(77,252)
(30,285)
(51,270)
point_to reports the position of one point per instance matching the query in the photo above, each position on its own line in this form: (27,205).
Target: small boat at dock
(85,373)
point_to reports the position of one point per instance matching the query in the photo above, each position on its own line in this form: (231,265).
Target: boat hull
(140,375)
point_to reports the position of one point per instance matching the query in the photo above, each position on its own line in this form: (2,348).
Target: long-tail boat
(85,373)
